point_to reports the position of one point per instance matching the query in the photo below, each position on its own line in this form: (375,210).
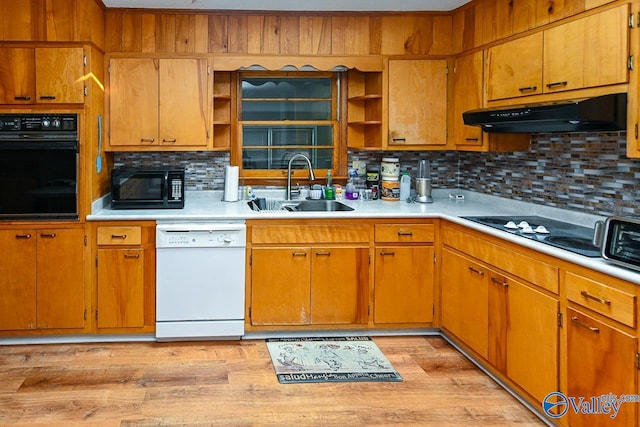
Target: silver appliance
(619,240)
(200,275)
(423,182)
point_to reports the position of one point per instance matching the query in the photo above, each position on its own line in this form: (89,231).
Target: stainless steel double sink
(274,205)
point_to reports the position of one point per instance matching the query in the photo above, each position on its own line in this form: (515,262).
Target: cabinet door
(17,76)
(121,288)
(403,290)
(467,95)
(464,300)
(564,52)
(184,104)
(417,103)
(280,288)
(600,361)
(515,68)
(606,47)
(523,335)
(133,102)
(60,278)
(17,279)
(339,285)
(59,73)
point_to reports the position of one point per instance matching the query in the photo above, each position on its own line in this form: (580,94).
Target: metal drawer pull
(471,139)
(556,84)
(22,98)
(169,140)
(299,254)
(323,253)
(23,236)
(405,233)
(132,256)
(147,139)
(584,325)
(385,253)
(48,235)
(473,270)
(528,88)
(500,282)
(595,298)
(119,236)
(399,139)
(48,97)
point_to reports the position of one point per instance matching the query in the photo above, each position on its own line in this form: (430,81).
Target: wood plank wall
(485,21)
(52,21)
(273,34)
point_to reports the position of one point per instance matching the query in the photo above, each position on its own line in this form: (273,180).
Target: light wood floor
(233,383)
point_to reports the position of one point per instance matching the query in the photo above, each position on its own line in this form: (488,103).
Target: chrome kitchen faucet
(311,175)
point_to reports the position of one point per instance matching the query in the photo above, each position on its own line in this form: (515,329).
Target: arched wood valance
(299,63)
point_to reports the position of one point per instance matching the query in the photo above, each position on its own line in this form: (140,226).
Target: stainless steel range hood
(602,113)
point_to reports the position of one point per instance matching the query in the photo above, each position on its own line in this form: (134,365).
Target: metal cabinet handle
(389,253)
(474,270)
(500,282)
(23,236)
(131,255)
(405,233)
(595,298)
(398,139)
(119,236)
(471,139)
(48,97)
(323,253)
(48,235)
(299,254)
(528,88)
(556,84)
(171,140)
(22,98)
(584,325)
(147,139)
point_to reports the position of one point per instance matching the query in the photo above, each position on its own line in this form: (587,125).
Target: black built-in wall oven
(39,156)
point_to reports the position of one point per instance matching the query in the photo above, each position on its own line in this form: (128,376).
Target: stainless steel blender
(423,182)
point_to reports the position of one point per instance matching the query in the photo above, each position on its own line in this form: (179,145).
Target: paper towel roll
(231,174)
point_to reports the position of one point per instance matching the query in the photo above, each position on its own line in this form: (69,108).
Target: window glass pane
(278,158)
(286,87)
(280,142)
(286,110)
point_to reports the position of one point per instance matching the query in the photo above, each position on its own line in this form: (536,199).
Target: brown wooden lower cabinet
(42,279)
(125,277)
(601,360)
(309,285)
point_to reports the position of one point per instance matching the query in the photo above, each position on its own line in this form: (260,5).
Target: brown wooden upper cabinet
(587,52)
(159,104)
(417,104)
(41,75)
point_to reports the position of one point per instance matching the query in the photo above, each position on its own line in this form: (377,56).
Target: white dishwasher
(200,274)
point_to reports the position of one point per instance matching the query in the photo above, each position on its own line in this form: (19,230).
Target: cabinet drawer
(505,258)
(404,233)
(119,235)
(322,233)
(611,302)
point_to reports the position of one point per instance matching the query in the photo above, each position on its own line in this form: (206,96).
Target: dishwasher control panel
(200,235)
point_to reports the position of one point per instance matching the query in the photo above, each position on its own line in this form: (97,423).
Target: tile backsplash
(586,172)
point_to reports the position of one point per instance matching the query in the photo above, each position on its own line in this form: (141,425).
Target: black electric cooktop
(563,235)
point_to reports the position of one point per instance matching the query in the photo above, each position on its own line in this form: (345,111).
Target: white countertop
(203,206)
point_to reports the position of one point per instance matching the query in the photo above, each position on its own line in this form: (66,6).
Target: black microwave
(158,188)
(619,240)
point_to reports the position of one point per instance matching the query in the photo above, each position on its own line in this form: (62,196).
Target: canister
(390,190)
(390,168)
